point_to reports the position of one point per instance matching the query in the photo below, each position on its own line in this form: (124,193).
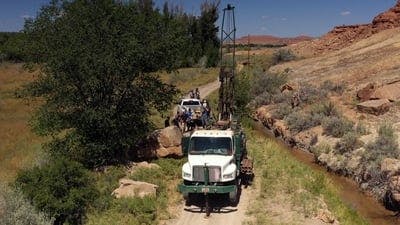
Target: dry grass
(188,78)
(18,145)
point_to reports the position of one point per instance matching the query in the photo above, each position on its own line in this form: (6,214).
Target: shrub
(348,143)
(308,93)
(384,146)
(333,87)
(298,121)
(361,129)
(269,83)
(283,55)
(62,188)
(325,108)
(337,126)
(282,111)
(262,99)
(322,148)
(15,209)
(280,97)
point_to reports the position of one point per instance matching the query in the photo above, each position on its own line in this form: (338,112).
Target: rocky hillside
(344,105)
(343,36)
(269,39)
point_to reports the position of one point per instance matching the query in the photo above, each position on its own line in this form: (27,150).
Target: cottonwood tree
(97,61)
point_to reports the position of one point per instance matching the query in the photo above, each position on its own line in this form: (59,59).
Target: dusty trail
(227,215)
(232,215)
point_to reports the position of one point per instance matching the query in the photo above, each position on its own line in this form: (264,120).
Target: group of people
(188,120)
(194,93)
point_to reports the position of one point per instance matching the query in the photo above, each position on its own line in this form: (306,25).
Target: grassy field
(19,147)
(289,191)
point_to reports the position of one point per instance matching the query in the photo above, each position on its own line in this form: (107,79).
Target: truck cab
(213,165)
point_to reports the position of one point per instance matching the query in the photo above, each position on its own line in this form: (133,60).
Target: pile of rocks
(377,100)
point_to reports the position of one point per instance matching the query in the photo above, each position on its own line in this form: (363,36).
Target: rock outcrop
(375,107)
(130,188)
(161,143)
(343,36)
(390,92)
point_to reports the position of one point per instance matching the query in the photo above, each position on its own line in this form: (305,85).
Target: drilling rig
(217,158)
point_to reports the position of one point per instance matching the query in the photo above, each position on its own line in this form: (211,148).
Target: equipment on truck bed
(217,157)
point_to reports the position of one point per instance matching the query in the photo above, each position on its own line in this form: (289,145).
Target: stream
(368,207)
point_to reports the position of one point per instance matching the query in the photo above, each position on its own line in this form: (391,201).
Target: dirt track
(222,213)
(226,215)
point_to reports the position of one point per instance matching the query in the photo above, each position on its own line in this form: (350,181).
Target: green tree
(97,61)
(62,189)
(209,31)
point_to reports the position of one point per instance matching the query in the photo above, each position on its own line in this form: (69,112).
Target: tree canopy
(97,60)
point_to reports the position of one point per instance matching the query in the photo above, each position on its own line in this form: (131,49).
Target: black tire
(208,208)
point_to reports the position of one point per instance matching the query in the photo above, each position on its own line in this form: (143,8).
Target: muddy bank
(362,200)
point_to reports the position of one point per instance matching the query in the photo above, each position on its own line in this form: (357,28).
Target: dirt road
(222,213)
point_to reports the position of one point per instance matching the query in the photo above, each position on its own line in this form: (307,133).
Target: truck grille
(213,171)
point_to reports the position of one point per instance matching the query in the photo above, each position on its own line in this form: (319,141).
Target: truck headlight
(229,175)
(188,175)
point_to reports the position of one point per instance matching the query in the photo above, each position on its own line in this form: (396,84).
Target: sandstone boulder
(169,137)
(375,107)
(130,188)
(175,151)
(390,166)
(390,92)
(365,93)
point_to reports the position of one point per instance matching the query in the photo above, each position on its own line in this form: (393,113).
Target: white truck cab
(215,150)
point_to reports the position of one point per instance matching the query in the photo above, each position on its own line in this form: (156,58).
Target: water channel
(368,207)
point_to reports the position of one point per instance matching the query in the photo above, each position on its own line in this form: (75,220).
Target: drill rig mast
(228,64)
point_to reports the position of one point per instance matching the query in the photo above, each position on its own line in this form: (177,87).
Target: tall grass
(280,176)
(19,147)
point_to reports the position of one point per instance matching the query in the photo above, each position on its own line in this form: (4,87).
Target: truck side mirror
(185,145)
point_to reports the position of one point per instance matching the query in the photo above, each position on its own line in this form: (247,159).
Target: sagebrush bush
(322,148)
(299,121)
(325,108)
(262,99)
(309,93)
(283,110)
(333,87)
(361,128)
(385,145)
(348,143)
(280,97)
(267,83)
(16,210)
(337,126)
(283,55)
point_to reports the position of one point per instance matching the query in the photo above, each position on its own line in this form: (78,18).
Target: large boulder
(130,188)
(169,137)
(390,92)
(161,143)
(365,93)
(375,107)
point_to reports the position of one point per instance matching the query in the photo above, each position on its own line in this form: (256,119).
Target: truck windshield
(191,102)
(211,145)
